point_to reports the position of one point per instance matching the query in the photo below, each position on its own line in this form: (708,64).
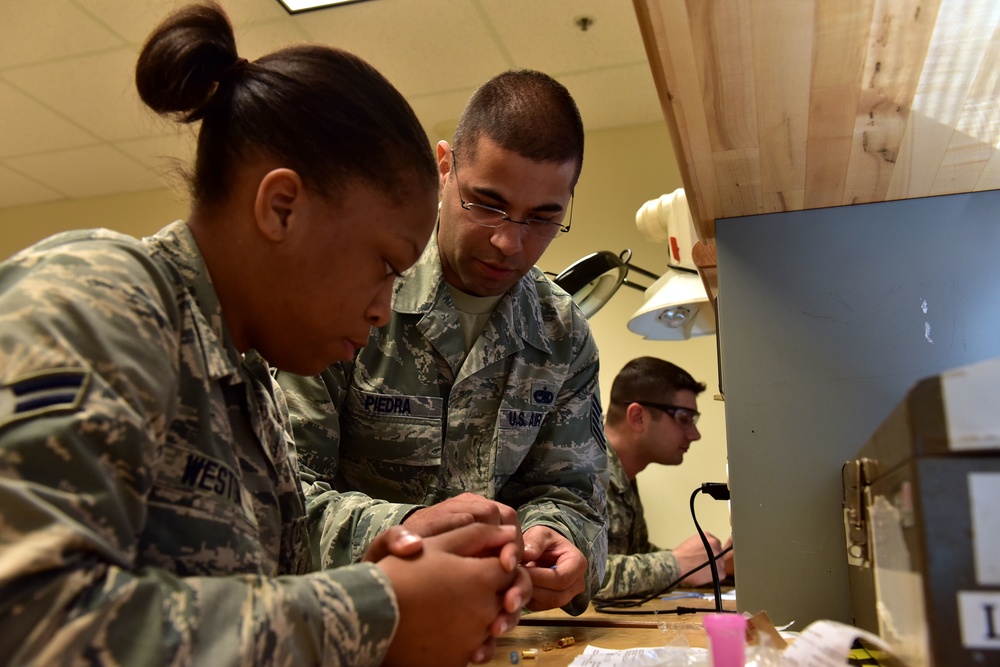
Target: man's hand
(557,568)
(691,553)
(460,511)
(728,560)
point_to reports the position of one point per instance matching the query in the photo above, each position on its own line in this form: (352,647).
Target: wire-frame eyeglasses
(489,216)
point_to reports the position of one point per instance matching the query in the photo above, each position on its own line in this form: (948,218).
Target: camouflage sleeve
(314,406)
(88,365)
(341,525)
(562,482)
(638,575)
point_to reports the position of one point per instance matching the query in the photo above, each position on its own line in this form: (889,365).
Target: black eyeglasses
(683,416)
(489,216)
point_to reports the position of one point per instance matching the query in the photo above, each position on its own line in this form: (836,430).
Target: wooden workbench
(613,631)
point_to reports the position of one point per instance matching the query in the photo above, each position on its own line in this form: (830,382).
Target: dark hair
(526,112)
(648,379)
(321,111)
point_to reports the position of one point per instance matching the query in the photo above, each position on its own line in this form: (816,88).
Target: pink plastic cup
(727,638)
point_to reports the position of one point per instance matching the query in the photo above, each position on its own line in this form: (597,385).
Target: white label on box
(984,501)
(899,592)
(979,614)
(969,397)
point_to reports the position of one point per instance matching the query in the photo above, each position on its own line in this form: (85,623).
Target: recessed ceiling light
(296,6)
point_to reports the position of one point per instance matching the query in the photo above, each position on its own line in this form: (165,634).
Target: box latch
(857,475)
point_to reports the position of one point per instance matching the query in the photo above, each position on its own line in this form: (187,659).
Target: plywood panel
(676,76)
(776,105)
(977,130)
(837,68)
(782,54)
(899,36)
(724,53)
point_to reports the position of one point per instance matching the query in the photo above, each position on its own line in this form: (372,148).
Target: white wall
(622,169)
(137,213)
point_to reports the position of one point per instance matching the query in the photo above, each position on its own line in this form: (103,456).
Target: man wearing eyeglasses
(652,418)
(479,400)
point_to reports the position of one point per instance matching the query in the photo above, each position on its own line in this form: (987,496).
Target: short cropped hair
(648,379)
(526,112)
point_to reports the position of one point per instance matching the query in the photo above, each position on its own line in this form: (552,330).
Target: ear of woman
(279,194)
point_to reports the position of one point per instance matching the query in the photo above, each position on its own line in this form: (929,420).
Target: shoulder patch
(41,392)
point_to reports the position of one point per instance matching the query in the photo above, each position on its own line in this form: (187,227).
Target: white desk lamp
(676,305)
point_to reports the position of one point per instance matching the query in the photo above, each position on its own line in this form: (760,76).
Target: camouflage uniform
(149,498)
(636,568)
(518,421)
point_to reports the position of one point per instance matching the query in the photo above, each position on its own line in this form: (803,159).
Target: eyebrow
(489,193)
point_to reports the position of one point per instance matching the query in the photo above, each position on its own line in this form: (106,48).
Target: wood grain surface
(781,105)
(543,630)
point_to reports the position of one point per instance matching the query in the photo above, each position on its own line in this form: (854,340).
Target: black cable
(625,606)
(718,494)
(719,491)
(665,589)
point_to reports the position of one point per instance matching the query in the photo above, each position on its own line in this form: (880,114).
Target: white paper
(984,507)
(899,592)
(662,656)
(821,644)
(969,397)
(979,612)
(827,644)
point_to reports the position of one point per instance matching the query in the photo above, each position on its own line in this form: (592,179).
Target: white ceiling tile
(46,30)
(254,40)
(30,127)
(252,11)
(439,113)
(163,153)
(132,21)
(67,67)
(615,97)
(18,190)
(544,35)
(422,47)
(95,91)
(87,172)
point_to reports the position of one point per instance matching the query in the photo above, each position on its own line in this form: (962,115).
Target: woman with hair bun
(150,503)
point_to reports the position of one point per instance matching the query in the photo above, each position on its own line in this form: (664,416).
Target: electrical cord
(719,491)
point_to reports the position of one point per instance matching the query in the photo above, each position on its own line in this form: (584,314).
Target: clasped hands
(485,570)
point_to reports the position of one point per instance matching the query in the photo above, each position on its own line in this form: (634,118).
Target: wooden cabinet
(784,105)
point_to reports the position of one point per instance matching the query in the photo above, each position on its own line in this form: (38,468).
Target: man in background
(479,400)
(651,418)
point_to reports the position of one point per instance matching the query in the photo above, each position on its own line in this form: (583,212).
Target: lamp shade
(676,308)
(591,281)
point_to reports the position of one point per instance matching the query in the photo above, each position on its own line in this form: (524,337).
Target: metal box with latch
(922,517)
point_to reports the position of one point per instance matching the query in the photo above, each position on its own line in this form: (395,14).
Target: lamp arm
(682,268)
(648,274)
(633,285)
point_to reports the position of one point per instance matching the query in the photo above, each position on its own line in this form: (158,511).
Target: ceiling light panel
(296,6)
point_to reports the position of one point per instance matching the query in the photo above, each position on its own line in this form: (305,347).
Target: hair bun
(184,60)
